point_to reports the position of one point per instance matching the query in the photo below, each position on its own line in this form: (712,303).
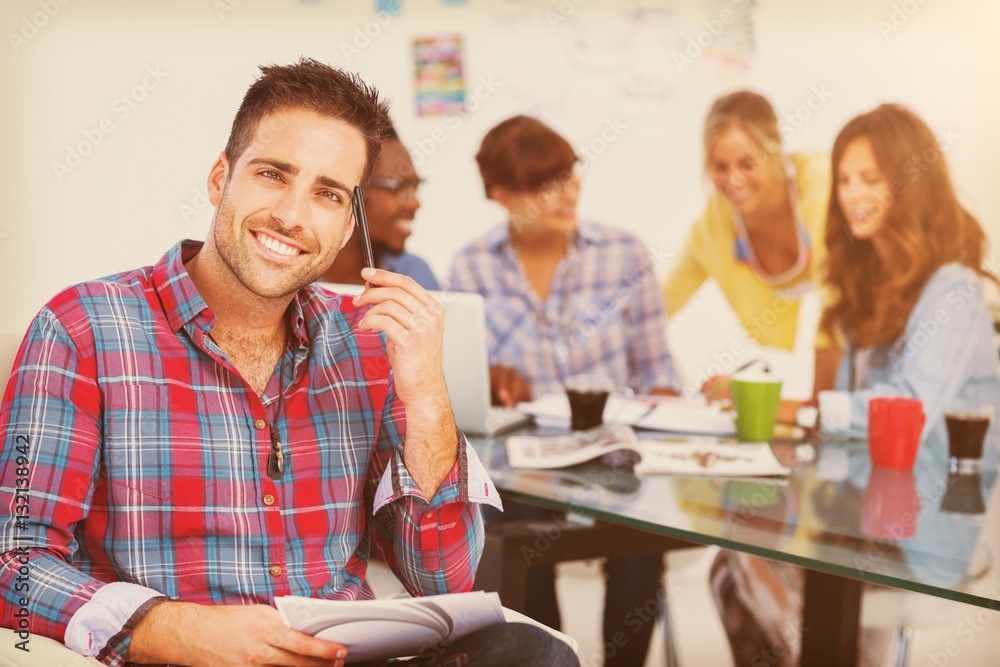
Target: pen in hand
(716,388)
(358,205)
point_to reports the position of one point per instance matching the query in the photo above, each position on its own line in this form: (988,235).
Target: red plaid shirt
(133,451)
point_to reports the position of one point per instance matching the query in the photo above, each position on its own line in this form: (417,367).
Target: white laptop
(466,362)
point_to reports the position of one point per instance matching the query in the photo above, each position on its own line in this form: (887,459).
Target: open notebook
(466,362)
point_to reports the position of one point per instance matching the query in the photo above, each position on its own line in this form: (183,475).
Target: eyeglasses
(399,187)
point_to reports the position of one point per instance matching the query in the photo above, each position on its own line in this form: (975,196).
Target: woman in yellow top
(761,234)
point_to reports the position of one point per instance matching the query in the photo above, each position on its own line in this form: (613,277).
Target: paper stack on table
(703,457)
(675,415)
(743,459)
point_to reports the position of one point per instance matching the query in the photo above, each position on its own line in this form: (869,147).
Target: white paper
(553,409)
(378,629)
(694,419)
(559,451)
(745,459)
(652,413)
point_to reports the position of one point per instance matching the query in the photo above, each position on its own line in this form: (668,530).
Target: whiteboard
(149,91)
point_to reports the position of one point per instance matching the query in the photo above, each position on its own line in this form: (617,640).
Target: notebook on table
(465,361)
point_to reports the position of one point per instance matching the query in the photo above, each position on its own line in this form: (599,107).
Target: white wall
(578,64)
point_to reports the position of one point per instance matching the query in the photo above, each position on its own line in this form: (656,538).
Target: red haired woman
(905,261)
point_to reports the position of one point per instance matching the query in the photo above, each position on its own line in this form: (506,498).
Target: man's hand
(200,635)
(413,323)
(508,387)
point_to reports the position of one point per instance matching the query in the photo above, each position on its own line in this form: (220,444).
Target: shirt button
(269,500)
(275,570)
(260,424)
(429,515)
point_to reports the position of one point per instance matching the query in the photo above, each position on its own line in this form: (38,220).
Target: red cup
(891,506)
(894,428)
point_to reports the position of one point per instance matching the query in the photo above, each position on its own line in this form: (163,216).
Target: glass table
(845,523)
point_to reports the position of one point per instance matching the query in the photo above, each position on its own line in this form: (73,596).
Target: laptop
(465,361)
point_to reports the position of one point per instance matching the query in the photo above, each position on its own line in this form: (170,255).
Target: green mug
(756,398)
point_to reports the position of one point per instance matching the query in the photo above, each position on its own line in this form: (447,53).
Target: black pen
(358,204)
(748,365)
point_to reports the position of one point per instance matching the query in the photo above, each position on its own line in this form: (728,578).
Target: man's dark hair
(311,85)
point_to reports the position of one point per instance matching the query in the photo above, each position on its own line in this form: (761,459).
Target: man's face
(391,202)
(284,206)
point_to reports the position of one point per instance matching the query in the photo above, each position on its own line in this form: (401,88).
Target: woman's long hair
(925,227)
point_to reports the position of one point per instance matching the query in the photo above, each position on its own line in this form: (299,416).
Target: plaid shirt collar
(586,233)
(183,304)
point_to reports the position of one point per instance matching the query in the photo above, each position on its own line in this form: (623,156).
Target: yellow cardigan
(768,313)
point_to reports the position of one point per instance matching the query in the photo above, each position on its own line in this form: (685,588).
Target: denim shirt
(946,353)
(410,265)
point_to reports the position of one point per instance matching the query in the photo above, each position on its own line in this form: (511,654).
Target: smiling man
(202,435)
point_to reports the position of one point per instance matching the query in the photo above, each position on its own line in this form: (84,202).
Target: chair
(44,652)
(9,344)
(904,613)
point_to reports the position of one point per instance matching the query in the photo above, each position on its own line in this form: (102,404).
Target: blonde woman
(760,236)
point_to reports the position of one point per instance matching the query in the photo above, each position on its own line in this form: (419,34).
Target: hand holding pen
(716,388)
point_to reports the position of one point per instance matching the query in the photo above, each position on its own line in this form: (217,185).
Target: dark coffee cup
(967,426)
(588,395)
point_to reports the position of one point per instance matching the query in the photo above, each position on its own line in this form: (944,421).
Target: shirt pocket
(153,449)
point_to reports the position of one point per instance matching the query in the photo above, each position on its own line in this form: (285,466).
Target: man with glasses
(391,203)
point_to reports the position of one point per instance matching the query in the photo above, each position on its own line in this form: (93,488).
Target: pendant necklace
(276,458)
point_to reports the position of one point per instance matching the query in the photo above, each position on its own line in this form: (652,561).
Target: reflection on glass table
(921,530)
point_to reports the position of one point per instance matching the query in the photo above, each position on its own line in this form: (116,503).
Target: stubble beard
(241,263)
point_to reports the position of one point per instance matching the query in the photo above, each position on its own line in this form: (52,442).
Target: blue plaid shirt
(604,313)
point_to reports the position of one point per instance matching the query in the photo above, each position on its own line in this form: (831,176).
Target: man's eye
(271,174)
(331,195)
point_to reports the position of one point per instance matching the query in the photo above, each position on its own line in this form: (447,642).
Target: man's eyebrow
(293,170)
(277,164)
(332,183)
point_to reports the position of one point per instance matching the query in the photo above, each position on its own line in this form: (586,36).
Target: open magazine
(701,457)
(559,451)
(379,629)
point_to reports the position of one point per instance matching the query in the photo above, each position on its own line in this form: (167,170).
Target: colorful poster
(438,69)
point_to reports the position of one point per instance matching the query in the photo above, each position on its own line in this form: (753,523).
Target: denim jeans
(500,645)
